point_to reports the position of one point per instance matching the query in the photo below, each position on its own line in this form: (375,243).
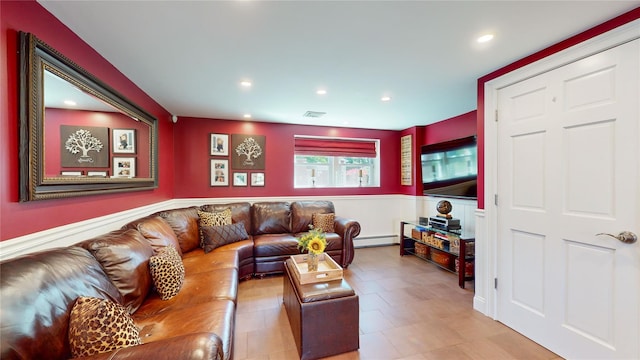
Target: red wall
(574,40)
(16,218)
(191,168)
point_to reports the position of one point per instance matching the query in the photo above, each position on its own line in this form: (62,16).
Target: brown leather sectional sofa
(38,291)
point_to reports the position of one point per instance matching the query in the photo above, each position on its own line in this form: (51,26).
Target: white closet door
(568,169)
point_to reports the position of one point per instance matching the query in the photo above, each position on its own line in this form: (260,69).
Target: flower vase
(312,262)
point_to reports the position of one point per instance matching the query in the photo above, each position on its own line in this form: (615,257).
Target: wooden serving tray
(328,269)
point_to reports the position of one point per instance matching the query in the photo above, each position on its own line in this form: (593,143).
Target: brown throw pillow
(99,326)
(216,236)
(167,272)
(216,218)
(324,222)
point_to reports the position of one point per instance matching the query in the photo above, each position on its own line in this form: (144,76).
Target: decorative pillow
(98,326)
(167,272)
(216,236)
(324,222)
(216,218)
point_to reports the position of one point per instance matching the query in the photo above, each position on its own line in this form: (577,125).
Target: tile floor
(409,309)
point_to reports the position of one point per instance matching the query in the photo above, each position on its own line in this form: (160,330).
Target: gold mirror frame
(36,57)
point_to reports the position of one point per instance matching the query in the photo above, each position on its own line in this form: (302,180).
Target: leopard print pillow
(98,326)
(217,218)
(167,272)
(324,222)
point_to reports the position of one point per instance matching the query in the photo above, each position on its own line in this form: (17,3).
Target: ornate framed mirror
(78,136)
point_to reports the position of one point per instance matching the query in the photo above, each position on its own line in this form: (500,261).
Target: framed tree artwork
(248,152)
(84,146)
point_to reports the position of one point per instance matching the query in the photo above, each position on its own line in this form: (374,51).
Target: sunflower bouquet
(313,241)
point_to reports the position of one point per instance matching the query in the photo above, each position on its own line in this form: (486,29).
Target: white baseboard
(383,240)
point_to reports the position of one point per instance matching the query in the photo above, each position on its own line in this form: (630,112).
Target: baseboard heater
(377,240)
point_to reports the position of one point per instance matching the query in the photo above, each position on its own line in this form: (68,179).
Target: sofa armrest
(348,229)
(191,346)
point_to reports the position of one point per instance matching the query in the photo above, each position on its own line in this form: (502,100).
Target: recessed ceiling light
(385,98)
(321,92)
(246,83)
(247,116)
(485,38)
(70,103)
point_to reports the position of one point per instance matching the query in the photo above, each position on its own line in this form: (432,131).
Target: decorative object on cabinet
(444,208)
(44,72)
(440,247)
(124,141)
(248,152)
(219,145)
(219,172)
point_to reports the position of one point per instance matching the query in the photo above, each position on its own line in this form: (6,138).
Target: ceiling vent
(314,114)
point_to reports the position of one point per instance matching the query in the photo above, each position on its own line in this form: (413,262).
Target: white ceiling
(190,56)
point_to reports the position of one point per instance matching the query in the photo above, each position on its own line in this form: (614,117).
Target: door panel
(568,169)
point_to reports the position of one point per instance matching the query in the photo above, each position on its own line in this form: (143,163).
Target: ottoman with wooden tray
(323,310)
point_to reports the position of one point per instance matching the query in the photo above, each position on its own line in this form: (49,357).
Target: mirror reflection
(86,137)
(78,136)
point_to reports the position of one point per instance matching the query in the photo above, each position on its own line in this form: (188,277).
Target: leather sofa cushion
(217,316)
(302,213)
(124,256)
(275,245)
(184,223)
(49,282)
(240,211)
(198,288)
(271,218)
(157,232)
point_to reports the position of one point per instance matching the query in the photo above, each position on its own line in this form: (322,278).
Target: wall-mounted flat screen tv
(450,169)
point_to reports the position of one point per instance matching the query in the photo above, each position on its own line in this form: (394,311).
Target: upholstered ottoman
(324,317)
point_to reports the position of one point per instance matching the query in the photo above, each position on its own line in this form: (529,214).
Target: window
(330,162)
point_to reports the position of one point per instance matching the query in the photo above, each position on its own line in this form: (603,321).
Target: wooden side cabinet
(453,251)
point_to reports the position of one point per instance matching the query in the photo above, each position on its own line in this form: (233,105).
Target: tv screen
(450,169)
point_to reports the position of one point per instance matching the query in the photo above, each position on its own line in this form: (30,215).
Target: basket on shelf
(454,247)
(468,268)
(440,258)
(422,249)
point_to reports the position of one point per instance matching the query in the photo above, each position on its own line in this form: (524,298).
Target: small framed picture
(124,167)
(124,141)
(240,179)
(219,145)
(71,173)
(257,179)
(219,172)
(97,173)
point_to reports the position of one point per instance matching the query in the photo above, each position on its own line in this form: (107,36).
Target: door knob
(626,237)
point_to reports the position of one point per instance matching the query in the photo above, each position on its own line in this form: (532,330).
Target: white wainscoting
(73,233)
(379,218)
